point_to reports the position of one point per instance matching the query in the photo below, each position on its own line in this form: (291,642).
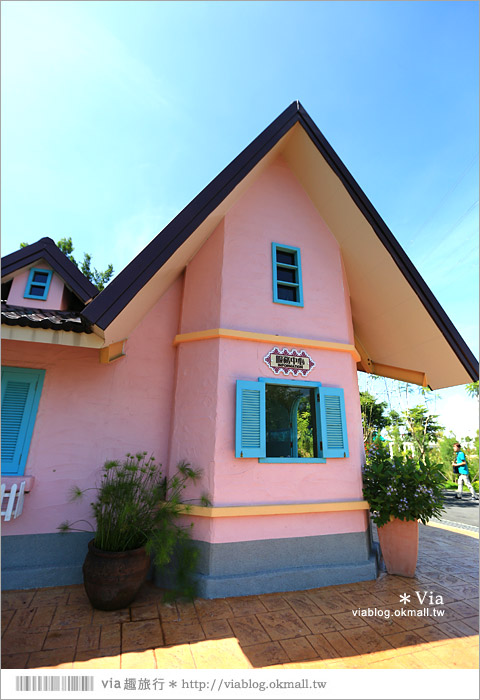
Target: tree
(98,278)
(374,419)
(446,455)
(421,428)
(472,389)
(394,431)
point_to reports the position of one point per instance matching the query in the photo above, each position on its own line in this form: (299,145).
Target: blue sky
(116,114)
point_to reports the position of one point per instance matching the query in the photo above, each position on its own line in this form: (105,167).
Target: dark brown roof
(46,249)
(105,308)
(44,318)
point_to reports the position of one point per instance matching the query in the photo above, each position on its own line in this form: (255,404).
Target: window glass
(291,422)
(287,274)
(287,293)
(285,257)
(36,291)
(40,277)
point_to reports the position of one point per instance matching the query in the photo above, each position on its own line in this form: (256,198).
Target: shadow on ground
(430,621)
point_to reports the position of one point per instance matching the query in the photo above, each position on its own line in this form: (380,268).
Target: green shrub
(401,487)
(136,505)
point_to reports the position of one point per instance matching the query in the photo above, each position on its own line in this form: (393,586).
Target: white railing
(15,493)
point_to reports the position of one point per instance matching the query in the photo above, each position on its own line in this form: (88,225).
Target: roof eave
(103,310)
(47,249)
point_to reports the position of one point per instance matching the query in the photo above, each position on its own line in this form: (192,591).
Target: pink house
(233,341)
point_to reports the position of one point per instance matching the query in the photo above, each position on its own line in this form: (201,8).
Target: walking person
(463,477)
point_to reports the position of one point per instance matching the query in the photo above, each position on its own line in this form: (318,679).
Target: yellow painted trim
(458,530)
(265,338)
(277,509)
(365,361)
(404,375)
(112,352)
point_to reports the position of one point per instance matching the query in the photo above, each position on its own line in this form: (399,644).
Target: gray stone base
(226,569)
(40,561)
(287,564)
(285,580)
(37,561)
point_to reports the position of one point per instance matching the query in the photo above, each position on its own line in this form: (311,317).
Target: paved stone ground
(462,513)
(57,627)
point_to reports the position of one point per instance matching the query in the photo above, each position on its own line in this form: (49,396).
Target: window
(38,284)
(287,275)
(21,389)
(297,421)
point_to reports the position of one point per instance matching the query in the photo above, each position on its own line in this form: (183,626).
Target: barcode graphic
(52,683)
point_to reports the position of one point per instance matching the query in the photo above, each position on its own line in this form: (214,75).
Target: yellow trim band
(459,531)
(230,334)
(277,509)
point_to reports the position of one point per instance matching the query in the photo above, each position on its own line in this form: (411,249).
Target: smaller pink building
(232,341)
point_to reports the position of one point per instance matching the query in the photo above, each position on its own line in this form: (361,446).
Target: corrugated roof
(45,318)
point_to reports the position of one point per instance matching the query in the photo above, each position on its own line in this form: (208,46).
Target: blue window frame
(287,275)
(21,389)
(38,284)
(283,421)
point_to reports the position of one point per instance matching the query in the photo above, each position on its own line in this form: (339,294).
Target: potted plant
(401,491)
(136,510)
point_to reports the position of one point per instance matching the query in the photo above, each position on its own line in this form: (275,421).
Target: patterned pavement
(320,628)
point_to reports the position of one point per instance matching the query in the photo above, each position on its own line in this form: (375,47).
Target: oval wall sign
(289,361)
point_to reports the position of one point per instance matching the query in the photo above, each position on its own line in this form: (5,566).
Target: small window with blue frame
(38,284)
(287,275)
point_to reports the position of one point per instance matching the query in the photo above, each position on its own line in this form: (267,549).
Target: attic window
(287,275)
(38,284)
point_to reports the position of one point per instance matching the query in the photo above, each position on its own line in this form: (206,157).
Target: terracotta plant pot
(113,579)
(399,544)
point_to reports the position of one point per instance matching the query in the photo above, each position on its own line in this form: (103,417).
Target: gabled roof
(398,322)
(46,249)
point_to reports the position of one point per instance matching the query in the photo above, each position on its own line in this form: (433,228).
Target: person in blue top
(463,477)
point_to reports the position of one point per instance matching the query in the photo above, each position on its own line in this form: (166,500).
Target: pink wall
(54,300)
(203,286)
(90,412)
(277,209)
(273,527)
(180,403)
(239,285)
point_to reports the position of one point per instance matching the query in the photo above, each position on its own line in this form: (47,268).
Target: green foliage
(304,430)
(374,419)
(98,278)
(394,432)
(444,453)
(472,389)
(452,485)
(136,505)
(421,428)
(402,487)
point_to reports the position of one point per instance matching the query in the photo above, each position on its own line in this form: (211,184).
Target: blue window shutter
(250,421)
(21,389)
(334,423)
